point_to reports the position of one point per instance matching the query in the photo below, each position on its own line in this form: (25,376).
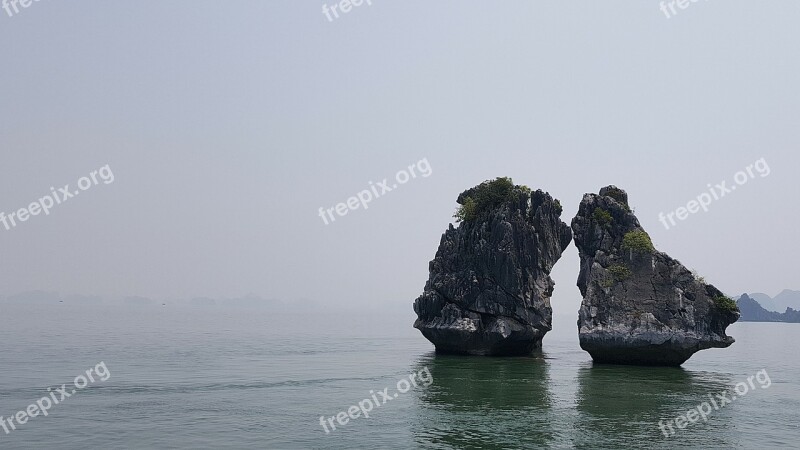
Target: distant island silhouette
(753,311)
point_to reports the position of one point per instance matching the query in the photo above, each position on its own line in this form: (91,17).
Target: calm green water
(217,378)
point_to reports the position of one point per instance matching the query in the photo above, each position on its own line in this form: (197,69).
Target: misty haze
(373,224)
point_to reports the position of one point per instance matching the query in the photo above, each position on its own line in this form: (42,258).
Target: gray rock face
(489,287)
(639,305)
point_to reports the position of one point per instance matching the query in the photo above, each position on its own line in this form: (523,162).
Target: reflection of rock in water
(491,401)
(621,406)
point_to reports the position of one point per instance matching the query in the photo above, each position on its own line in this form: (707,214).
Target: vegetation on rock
(618,273)
(559,209)
(638,241)
(726,303)
(602,217)
(485,196)
(467,211)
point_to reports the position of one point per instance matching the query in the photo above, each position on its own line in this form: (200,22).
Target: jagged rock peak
(489,288)
(640,306)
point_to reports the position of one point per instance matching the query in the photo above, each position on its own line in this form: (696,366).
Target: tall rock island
(639,305)
(489,287)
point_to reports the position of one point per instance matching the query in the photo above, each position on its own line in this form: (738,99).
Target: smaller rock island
(639,305)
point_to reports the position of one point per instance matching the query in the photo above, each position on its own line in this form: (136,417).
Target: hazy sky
(227,125)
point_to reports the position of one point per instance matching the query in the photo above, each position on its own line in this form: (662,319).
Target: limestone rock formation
(489,287)
(640,306)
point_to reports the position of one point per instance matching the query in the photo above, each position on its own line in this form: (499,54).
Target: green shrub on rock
(619,272)
(638,241)
(559,209)
(467,211)
(602,217)
(486,196)
(726,303)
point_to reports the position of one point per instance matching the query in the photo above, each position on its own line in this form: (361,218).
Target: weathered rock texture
(639,305)
(489,287)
